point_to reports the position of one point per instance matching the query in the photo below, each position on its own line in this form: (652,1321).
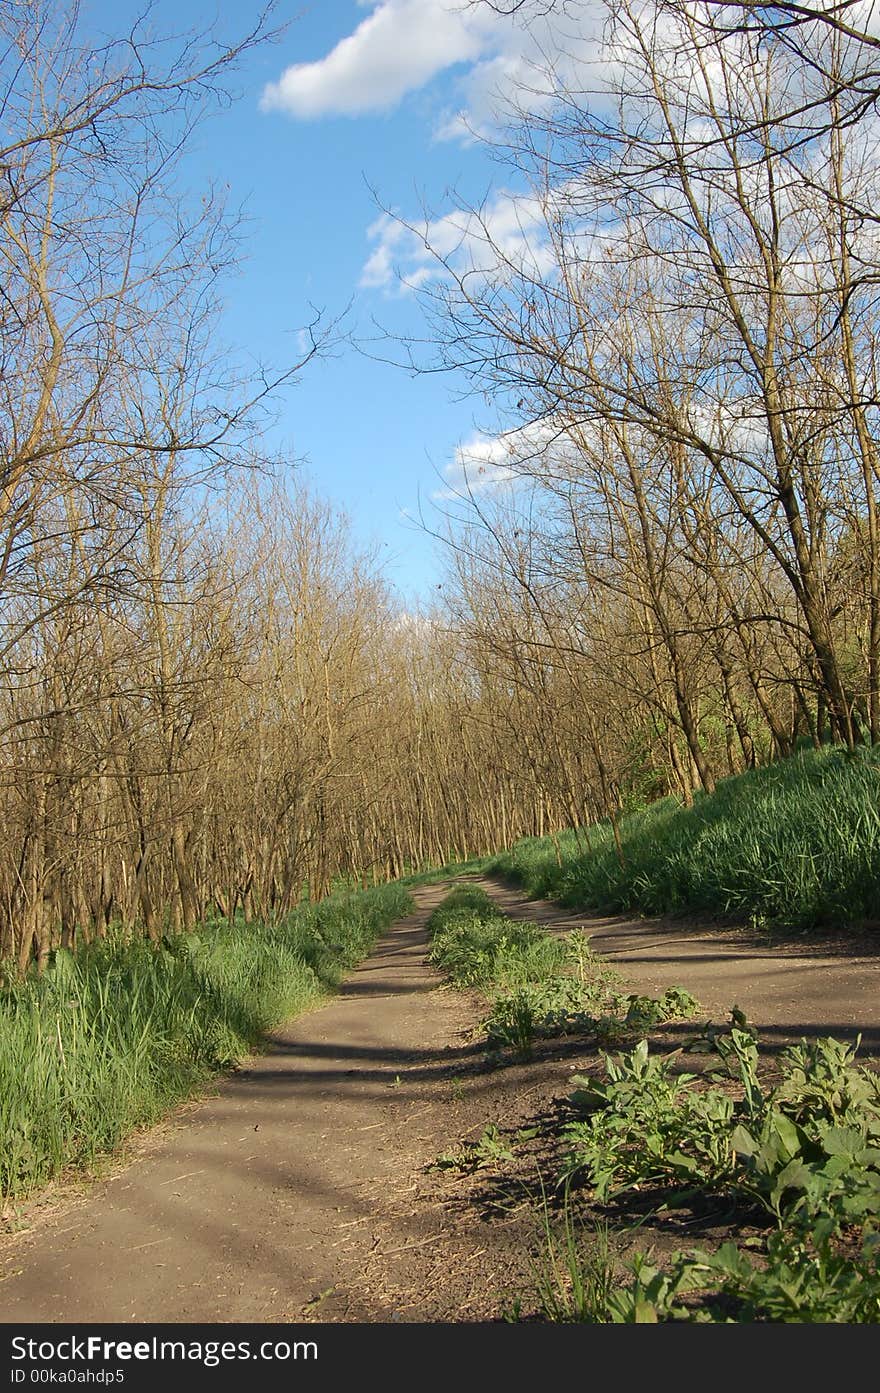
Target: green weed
(539,985)
(806,1150)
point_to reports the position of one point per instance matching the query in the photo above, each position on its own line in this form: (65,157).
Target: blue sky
(359,95)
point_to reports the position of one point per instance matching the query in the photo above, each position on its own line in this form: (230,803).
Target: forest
(211,701)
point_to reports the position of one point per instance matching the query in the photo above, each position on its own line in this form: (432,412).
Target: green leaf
(645,1313)
(842,1141)
(794,1176)
(743,1142)
(591,1096)
(787,1134)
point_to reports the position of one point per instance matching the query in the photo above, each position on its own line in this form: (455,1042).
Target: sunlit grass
(108,1040)
(795,845)
(476,945)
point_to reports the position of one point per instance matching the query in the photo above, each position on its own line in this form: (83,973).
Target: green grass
(447,871)
(110,1039)
(478,946)
(538,984)
(795,846)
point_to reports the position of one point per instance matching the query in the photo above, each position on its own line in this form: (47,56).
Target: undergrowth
(795,845)
(537,984)
(803,1153)
(789,1145)
(107,1040)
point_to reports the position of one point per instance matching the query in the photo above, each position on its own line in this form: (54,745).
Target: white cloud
(508,228)
(486,462)
(399,47)
(402,44)
(526,65)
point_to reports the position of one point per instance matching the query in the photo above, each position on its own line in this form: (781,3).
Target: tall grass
(476,945)
(108,1040)
(795,845)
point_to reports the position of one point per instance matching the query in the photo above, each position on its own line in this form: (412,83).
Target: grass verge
(108,1040)
(538,984)
(795,845)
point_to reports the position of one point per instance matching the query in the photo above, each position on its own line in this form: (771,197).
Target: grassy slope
(111,1039)
(795,845)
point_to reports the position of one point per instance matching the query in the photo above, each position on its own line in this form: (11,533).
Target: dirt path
(300,1190)
(788,989)
(254,1203)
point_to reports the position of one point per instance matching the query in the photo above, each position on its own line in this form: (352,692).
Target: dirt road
(300,1190)
(790,988)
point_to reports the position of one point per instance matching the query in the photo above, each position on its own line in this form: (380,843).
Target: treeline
(252,721)
(210,701)
(672,556)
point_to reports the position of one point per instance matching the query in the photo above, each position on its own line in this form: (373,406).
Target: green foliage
(108,1040)
(652,1294)
(568,1006)
(575,1279)
(539,985)
(489,1150)
(451,867)
(643,1012)
(794,845)
(478,946)
(796,1280)
(801,1279)
(645,1125)
(512,1023)
(806,1150)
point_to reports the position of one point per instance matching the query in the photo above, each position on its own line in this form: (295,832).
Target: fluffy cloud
(399,47)
(508,228)
(402,44)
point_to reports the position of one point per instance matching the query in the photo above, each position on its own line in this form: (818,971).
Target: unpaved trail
(299,1191)
(787,989)
(263,1198)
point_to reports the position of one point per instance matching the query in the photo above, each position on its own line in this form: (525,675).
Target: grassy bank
(107,1041)
(795,845)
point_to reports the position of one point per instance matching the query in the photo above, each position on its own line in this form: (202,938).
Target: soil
(307,1186)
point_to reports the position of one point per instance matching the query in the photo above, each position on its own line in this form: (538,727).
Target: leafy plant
(489,1150)
(512,1024)
(643,1012)
(806,1150)
(800,1279)
(809,1146)
(647,1125)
